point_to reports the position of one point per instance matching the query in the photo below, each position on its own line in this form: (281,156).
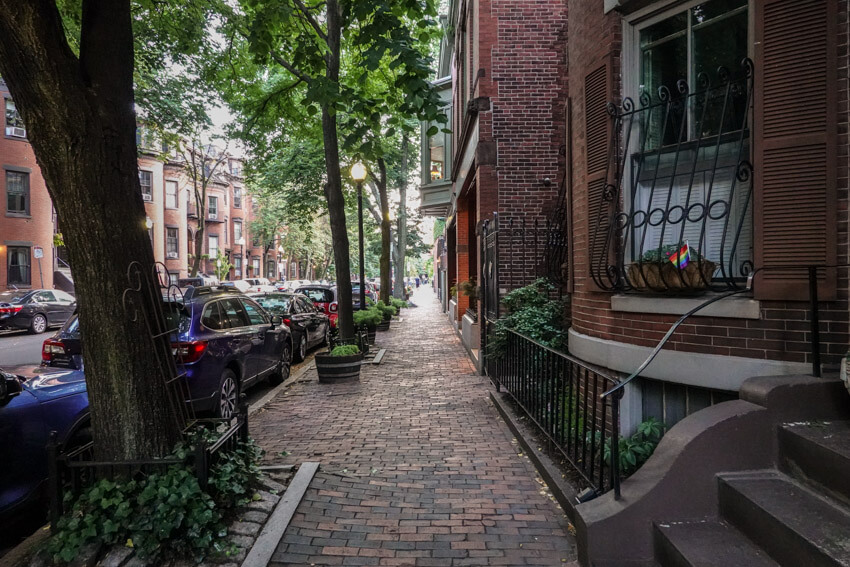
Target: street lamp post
(358,173)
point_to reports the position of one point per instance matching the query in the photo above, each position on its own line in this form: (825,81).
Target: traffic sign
(38,252)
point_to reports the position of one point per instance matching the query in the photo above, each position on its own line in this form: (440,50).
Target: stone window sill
(731,307)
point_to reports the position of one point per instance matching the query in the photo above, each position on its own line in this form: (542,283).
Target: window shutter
(795,145)
(597,122)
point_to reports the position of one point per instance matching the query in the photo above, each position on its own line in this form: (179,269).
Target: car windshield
(318,295)
(13,297)
(276,304)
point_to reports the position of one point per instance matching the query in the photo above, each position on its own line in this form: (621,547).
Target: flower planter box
(655,277)
(335,369)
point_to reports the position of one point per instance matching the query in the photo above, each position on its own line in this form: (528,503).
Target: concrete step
(62,280)
(791,522)
(708,543)
(818,453)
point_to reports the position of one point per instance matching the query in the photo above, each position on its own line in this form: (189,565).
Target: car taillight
(189,352)
(334,307)
(287,321)
(10,310)
(51,348)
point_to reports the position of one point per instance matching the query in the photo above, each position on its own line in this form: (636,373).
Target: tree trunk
(80,121)
(333,187)
(199,246)
(385,232)
(401,248)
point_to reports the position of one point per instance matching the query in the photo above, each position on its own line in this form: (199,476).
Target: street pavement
(417,467)
(19,348)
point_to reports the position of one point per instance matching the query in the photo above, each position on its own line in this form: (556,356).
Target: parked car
(309,326)
(29,411)
(225,344)
(243,286)
(35,310)
(259,285)
(324,298)
(197,281)
(355,293)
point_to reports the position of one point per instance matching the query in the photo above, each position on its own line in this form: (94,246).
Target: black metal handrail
(560,395)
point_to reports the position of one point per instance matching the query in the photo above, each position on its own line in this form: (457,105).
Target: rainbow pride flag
(681,258)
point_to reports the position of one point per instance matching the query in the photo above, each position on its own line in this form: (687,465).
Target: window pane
(145,181)
(171,240)
(212,317)
(256,316)
(664,61)
(14,122)
(171,194)
(213,246)
(17,192)
(19,265)
(235,313)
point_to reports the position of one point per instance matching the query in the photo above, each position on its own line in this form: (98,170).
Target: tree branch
(310,19)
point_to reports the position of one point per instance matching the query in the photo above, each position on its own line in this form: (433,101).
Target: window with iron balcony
(676,209)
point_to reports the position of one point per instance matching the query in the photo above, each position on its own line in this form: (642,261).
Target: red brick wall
(37,230)
(781,333)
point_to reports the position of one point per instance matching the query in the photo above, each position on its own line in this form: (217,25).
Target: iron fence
(73,471)
(678,177)
(562,397)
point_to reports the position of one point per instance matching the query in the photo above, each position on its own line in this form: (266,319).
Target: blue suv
(225,344)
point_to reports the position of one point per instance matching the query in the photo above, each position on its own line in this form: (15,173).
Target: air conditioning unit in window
(147,197)
(212,216)
(171,255)
(20,132)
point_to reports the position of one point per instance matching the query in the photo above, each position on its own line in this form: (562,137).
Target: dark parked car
(309,326)
(35,310)
(324,298)
(29,411)
(355,293)
(225,343)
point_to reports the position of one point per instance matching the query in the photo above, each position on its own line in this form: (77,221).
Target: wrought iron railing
(74,470)
(679,175)
(561,395)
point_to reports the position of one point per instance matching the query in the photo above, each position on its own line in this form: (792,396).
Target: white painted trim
(731,307)
(466,162)
(689,368)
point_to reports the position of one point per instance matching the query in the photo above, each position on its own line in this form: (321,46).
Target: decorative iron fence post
(242,419)
(615,443)
(54,482)
(202,464)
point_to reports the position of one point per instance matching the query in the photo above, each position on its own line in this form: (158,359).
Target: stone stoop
(792,515)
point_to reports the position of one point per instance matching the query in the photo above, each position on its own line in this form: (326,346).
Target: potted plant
(655,272)
(387,312)
(342,364)
(398,304)
(369,318)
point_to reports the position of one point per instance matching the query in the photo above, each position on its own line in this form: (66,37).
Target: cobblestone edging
(242,533)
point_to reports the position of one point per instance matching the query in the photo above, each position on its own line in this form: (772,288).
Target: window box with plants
(369,319)
(671,268)
(342,364)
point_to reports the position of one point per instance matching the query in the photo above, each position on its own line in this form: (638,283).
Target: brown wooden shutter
(597,94)
(795,145)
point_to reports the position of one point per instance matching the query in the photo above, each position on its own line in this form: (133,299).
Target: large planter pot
(335,369)
(383,326)
(372,333)
(654,277)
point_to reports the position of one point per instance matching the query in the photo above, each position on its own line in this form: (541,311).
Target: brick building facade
(507,62)
(27,220)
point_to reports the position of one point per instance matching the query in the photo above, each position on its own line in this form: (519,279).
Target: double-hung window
(688,136)
(237,197)
(237,230)
(14,123)
(17,193)
(171,194)
(171,243)
(18,270)
(146,182)
(213,246)
(212,209)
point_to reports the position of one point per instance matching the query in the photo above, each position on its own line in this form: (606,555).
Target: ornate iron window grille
(679,173)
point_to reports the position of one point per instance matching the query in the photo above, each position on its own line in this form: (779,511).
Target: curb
(266,543)
(293,377)
(563,492)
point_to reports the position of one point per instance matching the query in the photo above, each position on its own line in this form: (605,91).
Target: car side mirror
(277,321)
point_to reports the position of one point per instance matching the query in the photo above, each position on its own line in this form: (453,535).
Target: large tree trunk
(401,248)
(199,245)
(385,232)
(333,187)
(80,121)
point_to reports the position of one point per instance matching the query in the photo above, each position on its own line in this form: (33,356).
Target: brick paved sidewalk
(416,466)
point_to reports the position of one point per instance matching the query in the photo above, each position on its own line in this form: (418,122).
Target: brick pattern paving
(417,467)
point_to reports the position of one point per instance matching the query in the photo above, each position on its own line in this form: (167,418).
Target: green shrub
(345,350)
(634,451)
(529,311)
(387,311)
(398,303)
(368,317)
(161,514)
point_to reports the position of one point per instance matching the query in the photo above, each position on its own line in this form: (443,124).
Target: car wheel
(228,394)
(301,352)
(284,366)
(38,324)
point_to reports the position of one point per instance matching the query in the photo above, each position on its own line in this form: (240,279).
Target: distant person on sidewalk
(417,282)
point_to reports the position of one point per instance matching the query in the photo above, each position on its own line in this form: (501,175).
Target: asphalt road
(19,348)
